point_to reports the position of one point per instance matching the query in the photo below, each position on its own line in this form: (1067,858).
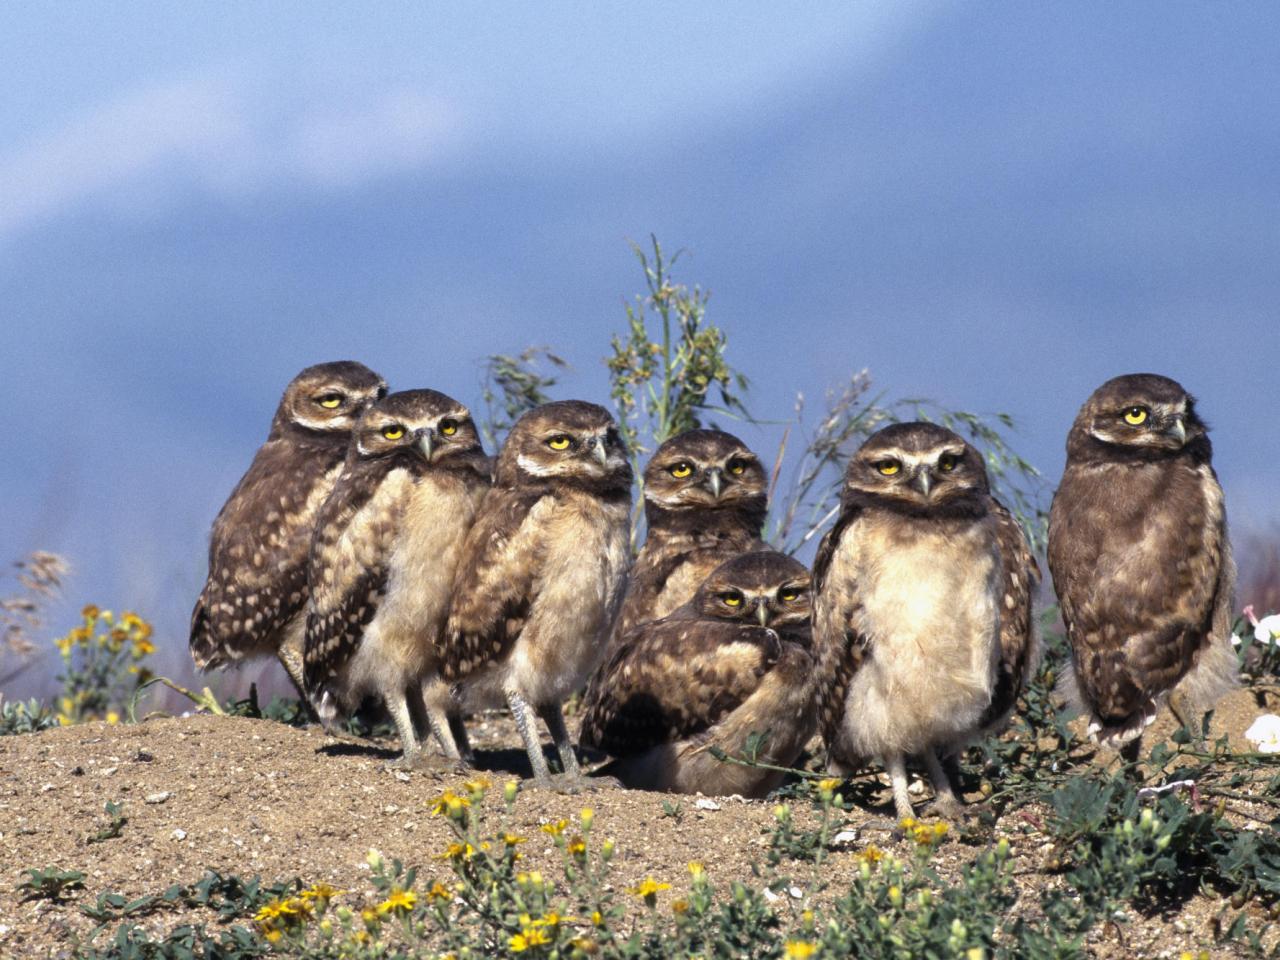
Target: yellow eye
(681,470)
(737,467)
(1136,416)
(947,463)
(788,595)
(731,599)
(558,443)
(393,432)
(448,427)
(888,467)
(331,401)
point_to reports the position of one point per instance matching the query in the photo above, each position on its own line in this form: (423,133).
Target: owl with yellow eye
(387,545)
(254,601)
(1141,561)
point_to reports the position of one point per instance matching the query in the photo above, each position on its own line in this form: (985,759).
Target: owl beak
(597,447)
(715,482)
(762,613)
(1177,430)
(427,443)
(924,481)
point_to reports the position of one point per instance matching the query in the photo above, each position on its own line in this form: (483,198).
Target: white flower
(1265,733)
(1268,629)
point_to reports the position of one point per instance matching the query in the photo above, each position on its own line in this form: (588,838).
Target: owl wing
(1019,640)
(1138,593)
(840,649)
(496,581)
(674,679)
(258,554)
(355,534)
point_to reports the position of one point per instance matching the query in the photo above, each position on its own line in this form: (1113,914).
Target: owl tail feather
(327,710)
(1113,732)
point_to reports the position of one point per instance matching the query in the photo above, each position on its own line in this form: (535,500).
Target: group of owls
(376,550)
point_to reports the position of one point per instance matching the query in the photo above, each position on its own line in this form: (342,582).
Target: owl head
(919,468)
(766,588)
(567,441)
(417,425)
(1143,414)
(328,398)
(705,470)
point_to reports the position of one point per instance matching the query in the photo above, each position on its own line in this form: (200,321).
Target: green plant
(103,665)
(29,717)
(50,883)
(114,824)
(513,385)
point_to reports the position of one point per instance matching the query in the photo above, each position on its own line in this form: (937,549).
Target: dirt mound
(251,797)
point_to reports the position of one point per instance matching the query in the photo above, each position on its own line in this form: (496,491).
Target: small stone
(916,788)
(108,771)
(179,834)
(844,837)
(702,803)
(160,797)
(403,777)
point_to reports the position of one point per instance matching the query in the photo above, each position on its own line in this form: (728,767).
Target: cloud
(210,133)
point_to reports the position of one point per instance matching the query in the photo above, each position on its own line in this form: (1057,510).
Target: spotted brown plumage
(734,661)
(909,587)
(1140,559)
(253,600)
(386,549)
(1019,638)
(542,571)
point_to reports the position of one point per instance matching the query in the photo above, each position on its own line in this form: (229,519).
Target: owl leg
(436,704)
(460,737)
(290,656)
(554,720)
(1189,715)
(945,801)
(896,764)
(398,707)
(527,724)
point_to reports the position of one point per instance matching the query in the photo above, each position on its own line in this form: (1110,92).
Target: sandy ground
(257,797)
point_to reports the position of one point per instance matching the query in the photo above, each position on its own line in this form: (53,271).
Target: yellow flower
(269,911)
(872,854)
(401,901)
(438,891)
(588,817)
(510,839)
(322,892)
(477,786)
(113,717)
(578,847)
(597,918)
(370,917)
(457,851)
(450,803)
(828,786)
(143,647)
(64,644)
(527,939)
(648,890)
(680,907)
(800,949)
(272,934)
(90,612)
(697,870)
(555,829)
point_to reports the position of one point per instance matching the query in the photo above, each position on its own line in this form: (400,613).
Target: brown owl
(705,499)
(386,547)
(1019,636)
(1140,560)
(735,660)
(907,619)
(253,601)
(542,571)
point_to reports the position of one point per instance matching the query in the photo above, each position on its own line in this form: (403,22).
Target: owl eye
(732,599)
(330,401)
(947,462)
(1136,416)
(888,467)
(560,442)
(680,470)
(788,594)
(448,427)
(393,432)
(737,466)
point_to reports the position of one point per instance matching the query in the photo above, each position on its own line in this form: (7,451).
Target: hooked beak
(715,482)
(426,443)
(1177,430)
(762,613)
(597,447)
(924,481)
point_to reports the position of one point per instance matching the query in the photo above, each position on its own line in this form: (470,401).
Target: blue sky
(996,205)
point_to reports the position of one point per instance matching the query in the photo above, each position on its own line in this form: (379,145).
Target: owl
(1140,560)
(254,599)
(736,660)
(907,616)
(542,572)
(1019,638)
(387,544)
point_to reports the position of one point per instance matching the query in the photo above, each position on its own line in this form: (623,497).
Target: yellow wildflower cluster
(871,854)
(800,949)
(923,834)
(398,901)
(648,890)
(556,828)
(278,917)
(451,805)
(102,660)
